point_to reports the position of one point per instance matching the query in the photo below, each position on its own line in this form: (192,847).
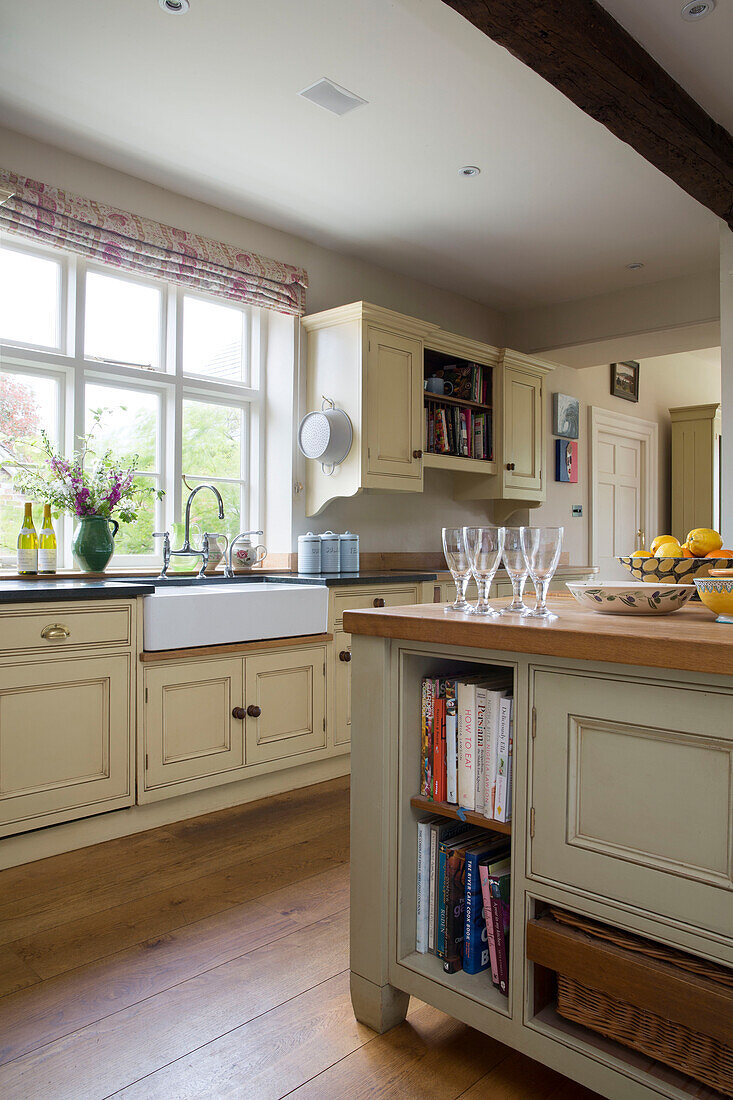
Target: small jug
(218,545)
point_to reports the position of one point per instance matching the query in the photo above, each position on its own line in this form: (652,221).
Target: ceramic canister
(309,553)
(349,552)
(330,554)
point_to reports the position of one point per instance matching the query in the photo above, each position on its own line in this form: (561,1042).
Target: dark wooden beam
(581,50)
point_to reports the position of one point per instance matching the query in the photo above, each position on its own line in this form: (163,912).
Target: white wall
(667,381)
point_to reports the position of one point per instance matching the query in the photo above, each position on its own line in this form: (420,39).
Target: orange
(719,554)
(687,553)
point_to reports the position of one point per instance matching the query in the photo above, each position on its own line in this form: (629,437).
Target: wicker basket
(706,1059)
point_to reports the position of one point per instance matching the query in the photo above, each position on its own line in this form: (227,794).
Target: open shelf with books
(455,860)
(458,400)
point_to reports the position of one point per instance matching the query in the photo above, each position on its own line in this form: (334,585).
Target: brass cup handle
(345,655)
(510,465)
(55,632)
(417,454)
(378,601)
(239,713)
(253,711)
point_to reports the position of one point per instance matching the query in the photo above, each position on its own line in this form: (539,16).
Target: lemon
(642,554)
(702,541)
(658,542)
(669,550)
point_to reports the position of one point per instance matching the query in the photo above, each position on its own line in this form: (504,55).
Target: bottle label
(46,561)
(27,561)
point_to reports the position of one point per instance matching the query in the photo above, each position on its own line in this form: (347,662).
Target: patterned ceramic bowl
(672,570)
(613,598)
(717,594)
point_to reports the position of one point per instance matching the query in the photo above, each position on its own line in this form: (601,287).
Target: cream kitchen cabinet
(372,363)
(354,599)
(219,719)
(695,468)
(66,712)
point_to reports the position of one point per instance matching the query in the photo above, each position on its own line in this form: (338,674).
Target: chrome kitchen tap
(188,551)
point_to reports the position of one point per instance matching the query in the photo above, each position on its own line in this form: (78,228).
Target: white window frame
(73,371)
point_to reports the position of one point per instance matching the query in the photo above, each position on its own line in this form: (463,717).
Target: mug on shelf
(437,385)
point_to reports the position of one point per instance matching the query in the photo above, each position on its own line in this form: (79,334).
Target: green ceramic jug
(94,544)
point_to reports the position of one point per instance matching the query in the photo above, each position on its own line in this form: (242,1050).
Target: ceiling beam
(581,50)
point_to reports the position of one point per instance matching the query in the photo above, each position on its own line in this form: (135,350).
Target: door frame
(626,427)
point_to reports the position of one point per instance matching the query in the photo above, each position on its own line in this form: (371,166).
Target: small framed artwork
(565,415)
(566,461)
(625,380)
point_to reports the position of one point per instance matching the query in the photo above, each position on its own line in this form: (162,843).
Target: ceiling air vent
(324,93)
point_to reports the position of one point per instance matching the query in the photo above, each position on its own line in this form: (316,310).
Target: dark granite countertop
(43,591)
(70,588)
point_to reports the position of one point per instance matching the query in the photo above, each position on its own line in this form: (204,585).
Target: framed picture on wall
(565,415)
(625,380)
(566,461)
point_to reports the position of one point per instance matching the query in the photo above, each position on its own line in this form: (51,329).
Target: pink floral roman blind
(138,244)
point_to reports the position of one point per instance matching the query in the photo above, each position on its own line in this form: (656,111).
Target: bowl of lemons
(669,561)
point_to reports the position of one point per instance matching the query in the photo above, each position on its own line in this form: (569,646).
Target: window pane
(137,538)
(130,424)
(214,340)
(27,404)
(29,298)
(212,440)
(205,511)
(122,322)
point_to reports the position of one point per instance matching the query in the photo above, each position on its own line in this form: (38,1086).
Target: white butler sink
(190,615)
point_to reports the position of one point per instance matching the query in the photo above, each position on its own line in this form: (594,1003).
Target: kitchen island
(622,815)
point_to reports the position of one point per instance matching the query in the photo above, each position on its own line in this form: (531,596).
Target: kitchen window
(179,377)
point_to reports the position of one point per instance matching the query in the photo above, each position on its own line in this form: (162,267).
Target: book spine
(423,886)
(489,922)
(454,905)
(433,887)
(429,721)
(441,921)
(424,745)
(475,941)
(466,748)
(502,760)
(451,744)
(480,776)
(500,925)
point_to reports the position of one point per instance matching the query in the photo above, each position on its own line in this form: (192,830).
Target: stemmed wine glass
(516,568)
(484,546)
(454,548)
(541,548)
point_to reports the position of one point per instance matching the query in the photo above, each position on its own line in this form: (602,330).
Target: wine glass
(516,568)
(484,546)
(454,548)
(541,548)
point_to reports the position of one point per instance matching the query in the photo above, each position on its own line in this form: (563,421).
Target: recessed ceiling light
(469,170)
(697,9)
(175,7)
(635,266)
(332,97)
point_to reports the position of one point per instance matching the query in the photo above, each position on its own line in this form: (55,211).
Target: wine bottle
(47,543)
(28,545)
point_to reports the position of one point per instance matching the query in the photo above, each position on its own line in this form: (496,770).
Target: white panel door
(618,501)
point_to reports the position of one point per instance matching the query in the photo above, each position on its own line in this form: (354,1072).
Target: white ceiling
(697,55)
(206,104)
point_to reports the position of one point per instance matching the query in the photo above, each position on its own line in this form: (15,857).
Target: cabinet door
(191,732)
(394,410)
(342,689)
(523,431)
(65,740)
(286,704)
(632,793)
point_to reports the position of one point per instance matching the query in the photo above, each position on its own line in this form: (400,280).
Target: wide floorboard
(209,958)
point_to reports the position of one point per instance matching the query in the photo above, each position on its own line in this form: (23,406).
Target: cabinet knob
(345,655)
(378,601)
(55,632)
(417,454)
(510,465)
(253,711)
(238,713)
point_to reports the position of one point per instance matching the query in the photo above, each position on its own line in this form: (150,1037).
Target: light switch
(577,509)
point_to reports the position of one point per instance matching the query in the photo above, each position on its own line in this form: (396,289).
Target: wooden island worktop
(689,639)
(622,814)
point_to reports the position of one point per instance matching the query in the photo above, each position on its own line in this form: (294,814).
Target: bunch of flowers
(85,484)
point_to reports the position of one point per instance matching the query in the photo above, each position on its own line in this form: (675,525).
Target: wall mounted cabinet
(373,364)
(695,468)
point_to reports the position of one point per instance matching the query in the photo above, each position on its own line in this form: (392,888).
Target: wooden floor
(210,959)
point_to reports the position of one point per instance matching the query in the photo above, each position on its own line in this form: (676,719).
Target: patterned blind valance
(141,245)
